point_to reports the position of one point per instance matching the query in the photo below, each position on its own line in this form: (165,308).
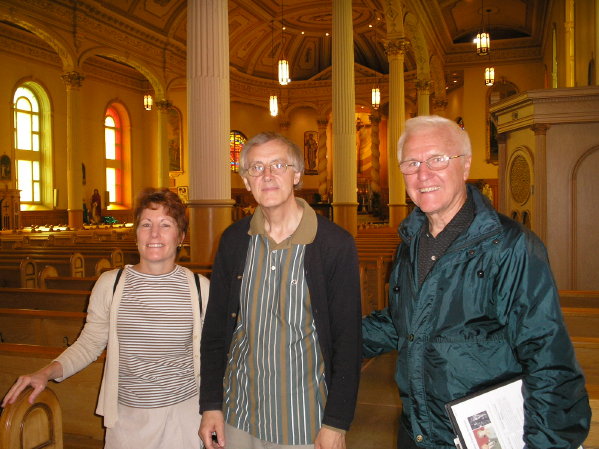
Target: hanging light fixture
(284,78)
(483,39)
(489,71)
(489,76)
(273,103)
(273,106)
(148,102)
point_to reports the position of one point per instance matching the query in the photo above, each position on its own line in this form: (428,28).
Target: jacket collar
(486,220)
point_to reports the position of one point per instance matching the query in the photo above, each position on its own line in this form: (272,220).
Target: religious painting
(4,168)
(175,148)
(498,92)
(311,152)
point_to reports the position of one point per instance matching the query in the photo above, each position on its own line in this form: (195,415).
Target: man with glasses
(472,304)
(280,356)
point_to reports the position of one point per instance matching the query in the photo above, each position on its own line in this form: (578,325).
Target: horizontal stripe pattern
(155,330)
(274,384)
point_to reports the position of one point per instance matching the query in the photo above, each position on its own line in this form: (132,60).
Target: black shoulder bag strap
(116,281)
(197,278)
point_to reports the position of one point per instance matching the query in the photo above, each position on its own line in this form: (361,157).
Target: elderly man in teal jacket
(472,304)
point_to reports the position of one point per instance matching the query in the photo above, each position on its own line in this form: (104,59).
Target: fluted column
(375,141)
(569,38)
(208,125)
(323,188)
(423,87)
(345,204)
(396,50)
(539,215)
(73,82)
(162,154)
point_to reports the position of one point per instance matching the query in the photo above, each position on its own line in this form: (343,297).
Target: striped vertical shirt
(274,384)
(155,331)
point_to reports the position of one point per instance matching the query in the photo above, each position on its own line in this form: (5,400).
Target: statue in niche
(96,207)
(5,168)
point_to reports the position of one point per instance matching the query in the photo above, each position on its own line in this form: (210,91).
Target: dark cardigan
(332,274)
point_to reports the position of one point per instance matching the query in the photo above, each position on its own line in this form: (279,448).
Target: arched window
(236,141)
(32,144)
(113,154)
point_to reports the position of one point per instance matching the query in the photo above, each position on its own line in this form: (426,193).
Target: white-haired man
(472,303)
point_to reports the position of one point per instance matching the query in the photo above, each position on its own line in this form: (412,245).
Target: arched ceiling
(257,39)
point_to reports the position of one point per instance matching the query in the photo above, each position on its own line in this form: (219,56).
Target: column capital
(397,47)
(375,117)
(540,129)
(163,105)
(72,79)
(284,125)
(424,85)
(322,123)
(439,103)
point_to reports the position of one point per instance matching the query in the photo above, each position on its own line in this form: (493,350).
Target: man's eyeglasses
(439,162)
(276,168)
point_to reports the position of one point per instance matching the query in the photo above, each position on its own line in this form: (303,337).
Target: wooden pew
(18,273)
(77,395)
(579,298)
(33,298)
(40,327)
(90,256)
(68,283)
(28,426)
(66,264)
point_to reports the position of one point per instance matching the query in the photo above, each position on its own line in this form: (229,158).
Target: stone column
(424,93)
(396,50)
(323,188)
(345,204)
(569,46)
(161,149)
(208,107)
(539,215)
(375,169)
(75,198)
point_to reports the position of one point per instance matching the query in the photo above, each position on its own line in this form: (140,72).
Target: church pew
(33,298)
(40,327)
(77,395)
(71,264)
(68,283)
(582,321)
(91,256)
(24,425)
(579,298)
(18,273)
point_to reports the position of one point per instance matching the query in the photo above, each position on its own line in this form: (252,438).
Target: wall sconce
(376,97)
(489,76)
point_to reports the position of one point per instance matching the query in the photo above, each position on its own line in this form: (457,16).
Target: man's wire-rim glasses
(276,168)
(438,162)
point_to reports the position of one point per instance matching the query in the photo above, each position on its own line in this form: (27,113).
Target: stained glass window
(236,141)
(27,138)
(113,137)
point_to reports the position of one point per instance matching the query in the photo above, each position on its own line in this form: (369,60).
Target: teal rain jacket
(488,311)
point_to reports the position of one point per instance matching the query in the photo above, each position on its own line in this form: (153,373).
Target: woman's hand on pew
(37,381)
